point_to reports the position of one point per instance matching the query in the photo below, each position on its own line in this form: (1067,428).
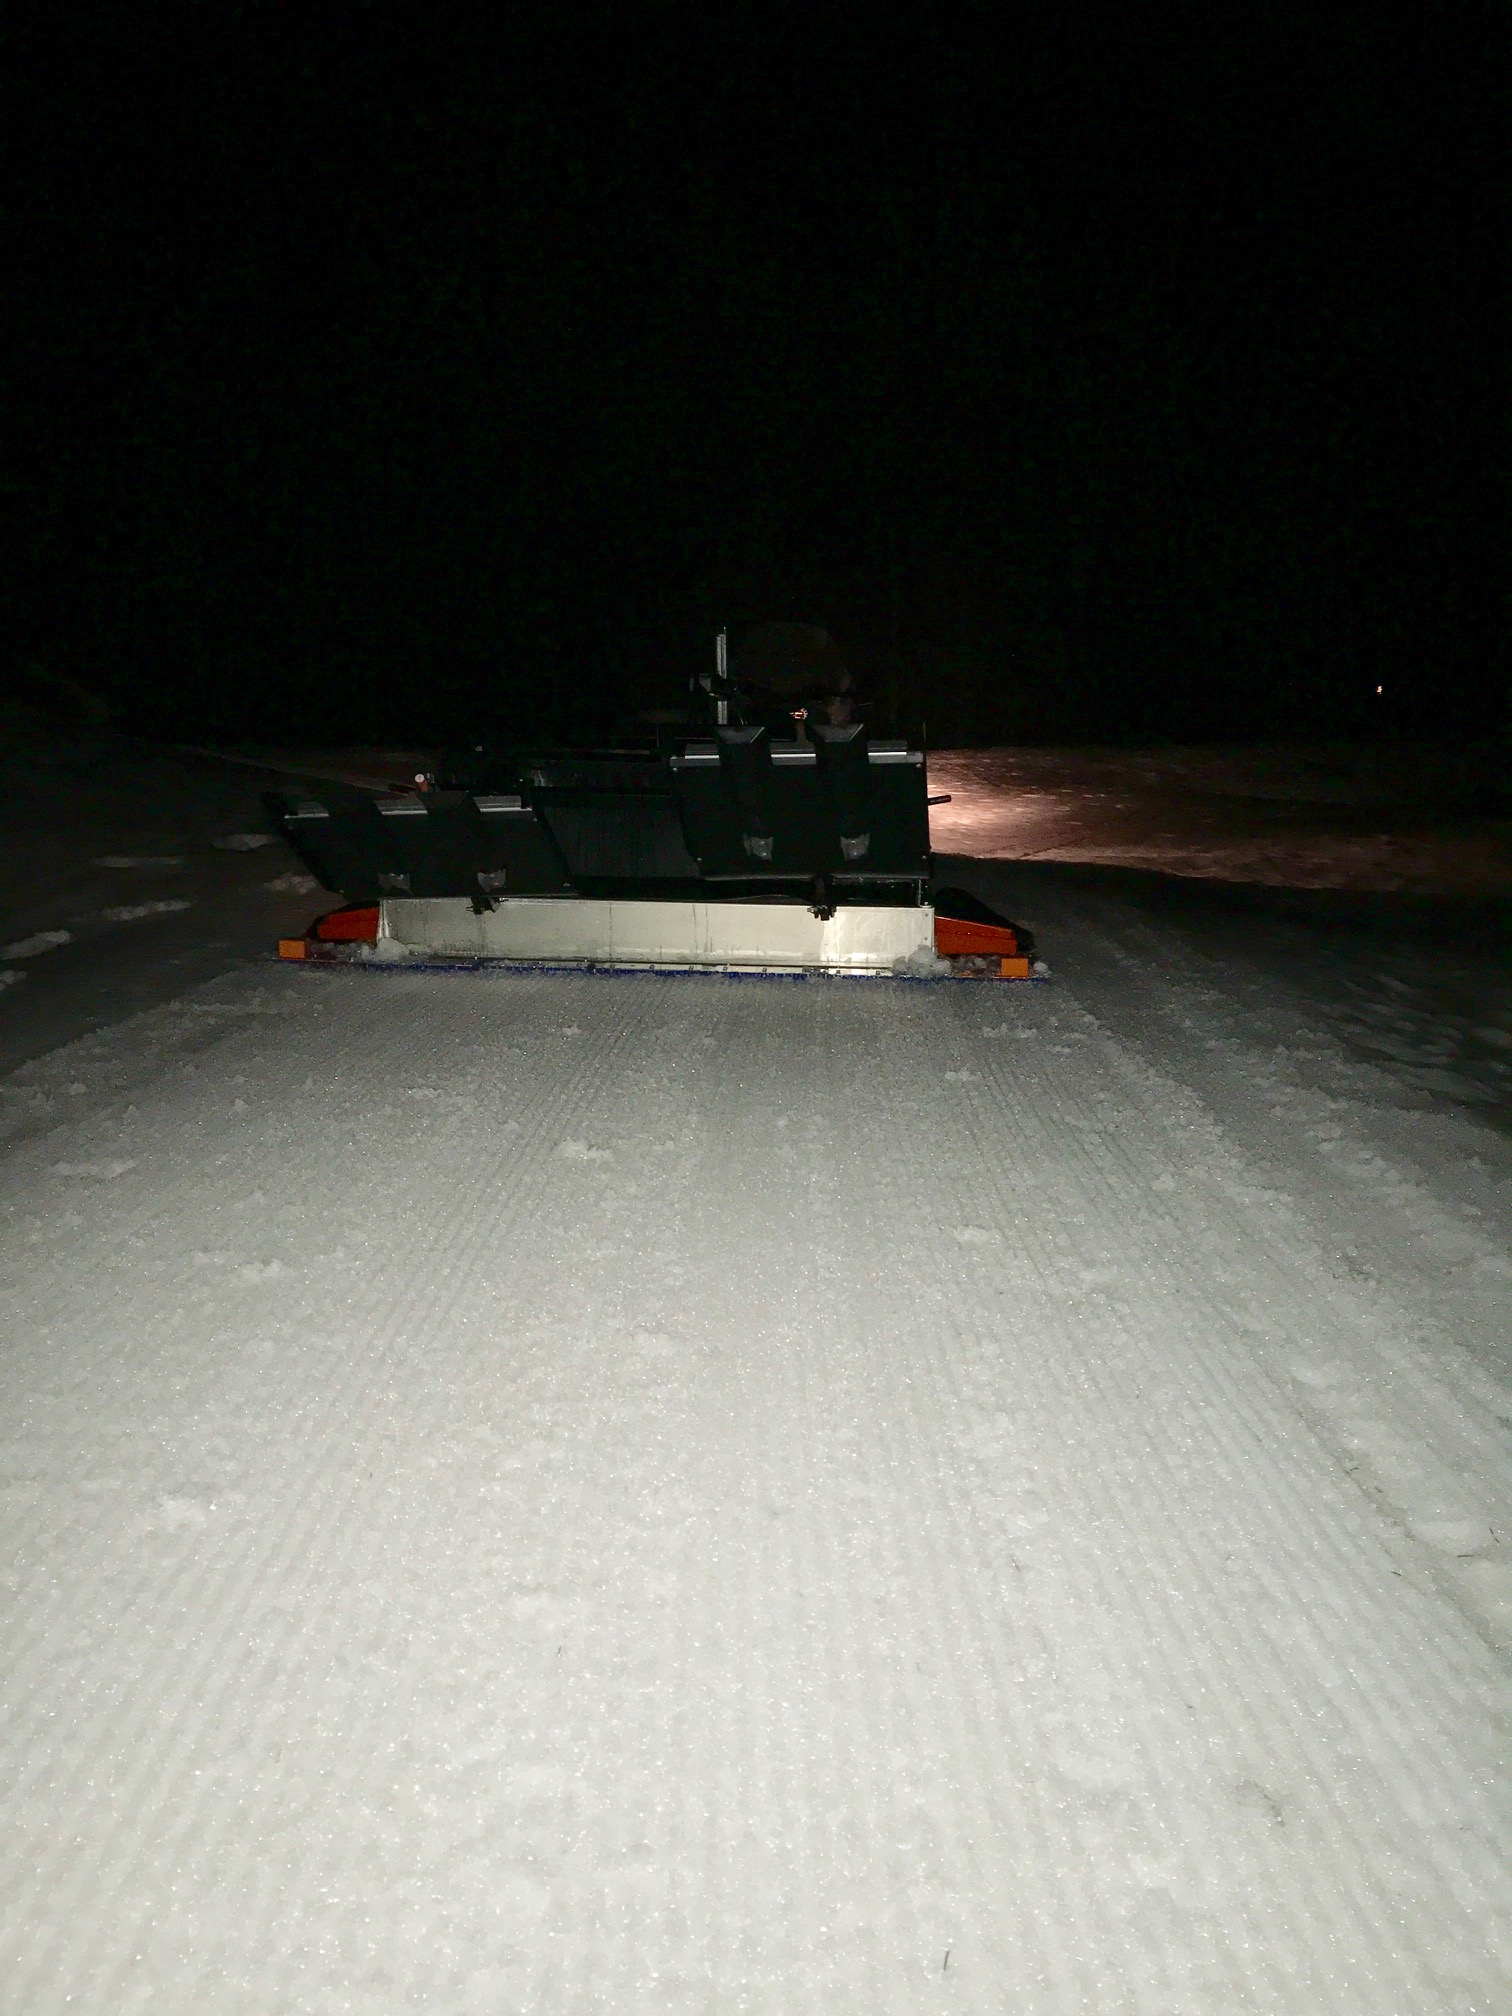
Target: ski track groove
(863,1732)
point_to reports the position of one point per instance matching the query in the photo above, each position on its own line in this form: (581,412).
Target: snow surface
(540,1493)
(561,1493)
(113,894)
(1378,880)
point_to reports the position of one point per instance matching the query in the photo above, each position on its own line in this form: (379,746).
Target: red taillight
(358,922)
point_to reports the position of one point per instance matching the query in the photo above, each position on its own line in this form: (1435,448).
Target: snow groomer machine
(771,838)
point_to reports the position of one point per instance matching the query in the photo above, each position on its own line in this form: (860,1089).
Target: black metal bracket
(823,903)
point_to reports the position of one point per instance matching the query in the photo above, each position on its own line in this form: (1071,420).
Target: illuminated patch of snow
(128,913)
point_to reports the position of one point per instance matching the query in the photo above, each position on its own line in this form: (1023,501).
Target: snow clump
(40,941)
(923,963)
(579,1151)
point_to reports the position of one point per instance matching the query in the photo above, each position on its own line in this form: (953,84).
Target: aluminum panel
(781,937)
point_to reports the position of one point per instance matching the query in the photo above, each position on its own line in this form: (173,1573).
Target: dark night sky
(1092,371)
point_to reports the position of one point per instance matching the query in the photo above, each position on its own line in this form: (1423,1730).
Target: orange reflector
(957,935)
(1015,969)
(357,923)
(292,948)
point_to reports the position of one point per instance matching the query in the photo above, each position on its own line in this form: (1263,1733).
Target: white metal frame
(735,937)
